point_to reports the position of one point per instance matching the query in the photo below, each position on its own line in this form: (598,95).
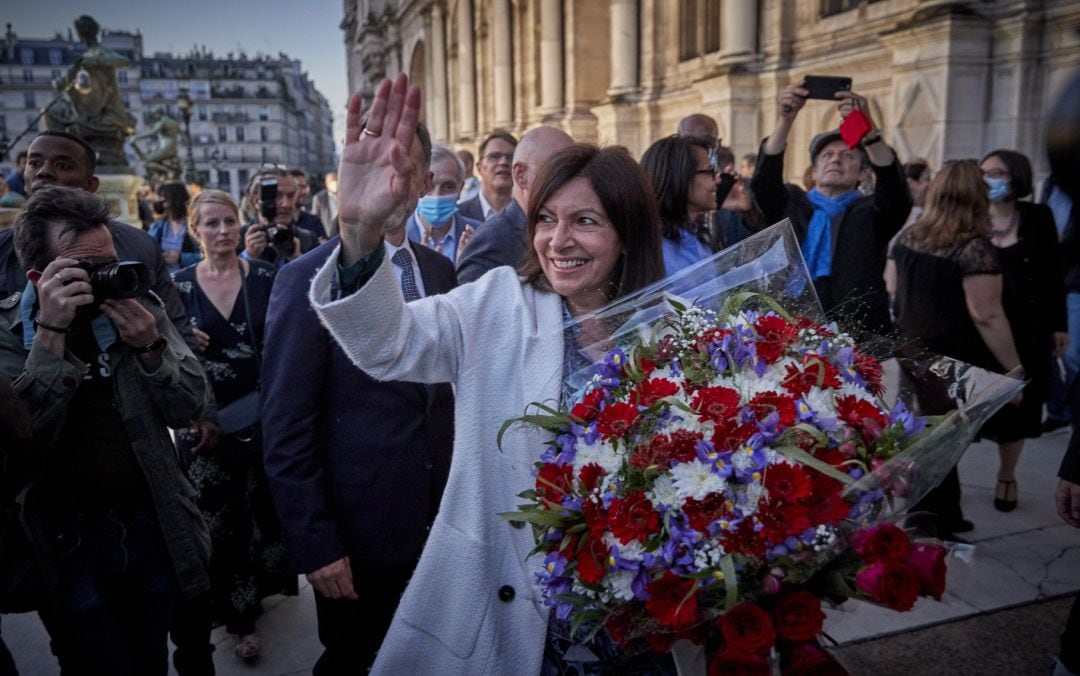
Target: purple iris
(911,423)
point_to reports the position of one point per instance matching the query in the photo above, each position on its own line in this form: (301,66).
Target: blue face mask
(436,210)
(999,188)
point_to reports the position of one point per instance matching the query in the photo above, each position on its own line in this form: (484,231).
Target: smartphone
(825,86)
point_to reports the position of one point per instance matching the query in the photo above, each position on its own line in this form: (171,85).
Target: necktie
(403,260)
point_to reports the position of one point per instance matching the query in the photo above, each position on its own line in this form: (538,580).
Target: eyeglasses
(711,171)
(494,157)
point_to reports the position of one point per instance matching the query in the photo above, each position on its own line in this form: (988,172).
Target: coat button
(506,593)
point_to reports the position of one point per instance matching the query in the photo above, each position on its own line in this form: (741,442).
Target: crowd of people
(314,386)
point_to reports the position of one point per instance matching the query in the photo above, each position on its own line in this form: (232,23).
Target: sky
(306,30)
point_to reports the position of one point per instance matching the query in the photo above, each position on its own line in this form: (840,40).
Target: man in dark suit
(496,181)
(502,239)
(356,467)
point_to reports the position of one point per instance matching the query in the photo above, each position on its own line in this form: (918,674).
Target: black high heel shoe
(1004,504)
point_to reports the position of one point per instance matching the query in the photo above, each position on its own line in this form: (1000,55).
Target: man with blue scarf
(437,223)
(844,235)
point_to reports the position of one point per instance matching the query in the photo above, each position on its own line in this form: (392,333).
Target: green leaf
(537,518)
(799,455)
(731,582)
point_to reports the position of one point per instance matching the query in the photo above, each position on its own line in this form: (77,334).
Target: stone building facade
(246,111)
(946,79)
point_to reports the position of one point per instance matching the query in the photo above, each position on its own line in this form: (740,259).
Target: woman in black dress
(948,296)
(227,296)
(1034,300)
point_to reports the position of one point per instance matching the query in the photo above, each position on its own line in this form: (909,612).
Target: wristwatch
(152,347)
(872,137)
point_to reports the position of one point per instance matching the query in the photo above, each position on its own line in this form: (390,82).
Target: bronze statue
(161,161)
(91,106)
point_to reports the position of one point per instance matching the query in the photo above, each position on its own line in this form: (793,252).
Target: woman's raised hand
(376,171)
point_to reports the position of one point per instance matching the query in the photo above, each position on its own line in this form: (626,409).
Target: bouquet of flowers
(721,471)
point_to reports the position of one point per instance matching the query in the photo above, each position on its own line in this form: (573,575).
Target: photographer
(275,237)
(104,373)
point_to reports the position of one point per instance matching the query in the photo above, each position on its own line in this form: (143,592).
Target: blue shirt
(683,252)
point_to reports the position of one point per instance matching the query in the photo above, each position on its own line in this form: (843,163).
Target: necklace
(1014,220)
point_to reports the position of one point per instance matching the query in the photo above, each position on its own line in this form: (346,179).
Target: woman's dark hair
(176,199)
(77,211)
(915,169)
(669,165)
(1021,181)
(623,191)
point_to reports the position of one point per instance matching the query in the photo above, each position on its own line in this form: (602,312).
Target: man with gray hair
(437,223)
(502,239)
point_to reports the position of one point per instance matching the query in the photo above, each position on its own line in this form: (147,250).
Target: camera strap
(250,326)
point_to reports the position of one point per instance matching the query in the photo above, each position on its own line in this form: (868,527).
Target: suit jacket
(311,223)
(472,606)
(415,232)
(471,208)
(355,466)
(859,238)
(500,242)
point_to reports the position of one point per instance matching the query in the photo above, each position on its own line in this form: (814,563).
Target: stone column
(466,70)
(502,33)
(551,56)
(739,23)
(440,113)
(624,47)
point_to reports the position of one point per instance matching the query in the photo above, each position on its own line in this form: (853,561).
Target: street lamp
(183,102)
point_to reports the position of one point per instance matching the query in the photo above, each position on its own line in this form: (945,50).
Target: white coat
(472,606)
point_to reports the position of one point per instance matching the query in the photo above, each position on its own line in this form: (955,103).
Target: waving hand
(375,173)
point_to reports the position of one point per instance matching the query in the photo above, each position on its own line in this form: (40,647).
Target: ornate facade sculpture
(161,160)
(91,106)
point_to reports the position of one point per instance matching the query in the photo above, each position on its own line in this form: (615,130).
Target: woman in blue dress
(227,299)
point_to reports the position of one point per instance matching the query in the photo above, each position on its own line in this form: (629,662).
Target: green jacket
(170,396)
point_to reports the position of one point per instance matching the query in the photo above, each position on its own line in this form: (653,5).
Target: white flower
(601,453)
(749,384)
(620,582)
(857,391)
(821,402)
(695,480)
(663,492)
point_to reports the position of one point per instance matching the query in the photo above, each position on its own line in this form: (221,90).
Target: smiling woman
(500,340)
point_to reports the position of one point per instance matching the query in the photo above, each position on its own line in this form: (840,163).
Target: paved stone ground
(1002,612)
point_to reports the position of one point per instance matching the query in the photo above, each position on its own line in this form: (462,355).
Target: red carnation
(595,518)
(882,542)
(708,337)
(748,629)
(646,365)
(662,449)
(787,483)
(592,561)
(860,414)
(775,334)
(617,419)
(870,369)
(813,371)
(716,403)
(729,662)
(811,325)
(588,408)
(553,481)
(831,510)
(890,583)
(781,519)
(672,601)
(729,435)
(650,391)
(590,476)
(765,403)
(745,540)
(633,518)
(702,513)
(928,562)
(799,616)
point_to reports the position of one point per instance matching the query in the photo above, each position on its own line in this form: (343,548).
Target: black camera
(268,198)
(110,278)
